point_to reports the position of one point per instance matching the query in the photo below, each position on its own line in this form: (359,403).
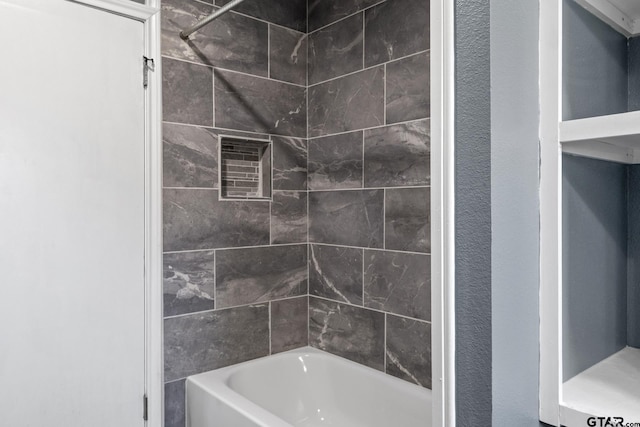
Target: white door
(72,334)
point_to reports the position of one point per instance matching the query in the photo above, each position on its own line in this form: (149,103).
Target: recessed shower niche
(245,168)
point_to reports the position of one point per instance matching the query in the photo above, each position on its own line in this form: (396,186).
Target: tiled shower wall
(369,177)
(235,272)
(352,179)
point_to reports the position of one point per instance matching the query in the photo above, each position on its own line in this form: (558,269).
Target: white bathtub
(304,387)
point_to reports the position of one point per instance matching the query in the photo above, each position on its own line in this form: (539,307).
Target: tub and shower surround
(369,184)
(235,272)
(339,259)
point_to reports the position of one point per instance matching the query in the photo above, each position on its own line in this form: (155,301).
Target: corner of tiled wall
(369,184)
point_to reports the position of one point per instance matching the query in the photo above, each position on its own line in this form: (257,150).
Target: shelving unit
(609,387)
(614,138)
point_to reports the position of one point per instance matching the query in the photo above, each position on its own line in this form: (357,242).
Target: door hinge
(145,408)
(148,65)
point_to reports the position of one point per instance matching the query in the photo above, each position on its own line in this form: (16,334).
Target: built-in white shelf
(615,137)
(610,388)
(622,15)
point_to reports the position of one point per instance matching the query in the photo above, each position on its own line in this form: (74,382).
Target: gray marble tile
(349,103)
(190,156)
(189,282)
(395,29)
(408,219)
(187,93)
(336,50)
(288,55)
(289,324)
(174,404)
(323,12)
(335,272)
(351,332)
(336,161)
(350,218)
(398,283)
(289,217)
(289,163)
(398,155)
(259,105)
(408,96)
(288,13)
(196,219)
(409,350)
(252,275)
(234,41)
(200,342)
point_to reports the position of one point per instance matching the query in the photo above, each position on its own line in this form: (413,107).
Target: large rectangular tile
(350,218)
(288,55)
(398,155)
(188,282)
(289,163)
(408,96)
(336,161)
(233,41)
(398,283)
(324,12)
(409,350)
(196,219)
(336,50)
(174,404)
(289,217)
(259,105)
(394,29)
(289,324)
(407,221)
(190,156)
(187,93)
(288,13)
(252,275)
(335,272)
(201,342)
(349,103)
(351,332)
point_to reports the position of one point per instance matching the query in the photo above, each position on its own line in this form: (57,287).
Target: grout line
(384,367)
(270,323)
(233,248)
(228,70)
(371,128)
(384,219)
(371,309)
(362,166)
(345,17)
(362,251)
(372,249)
(269,51)
(369,68)
(213,97)
(384,94)
(215,281)
(217,310)
(328,190)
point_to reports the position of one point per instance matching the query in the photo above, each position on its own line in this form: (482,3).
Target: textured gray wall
(594,65)
(515,207)
(594,261)
(473,213)
(634,73)
(633,295)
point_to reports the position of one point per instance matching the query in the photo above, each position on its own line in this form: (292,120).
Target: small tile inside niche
(245,168)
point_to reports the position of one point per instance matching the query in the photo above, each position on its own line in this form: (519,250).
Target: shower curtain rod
(184,34)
